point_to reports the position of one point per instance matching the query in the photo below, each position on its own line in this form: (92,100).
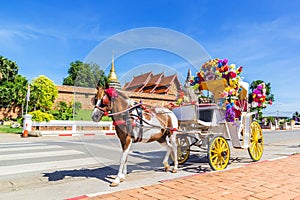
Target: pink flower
(111,92)
(270,102)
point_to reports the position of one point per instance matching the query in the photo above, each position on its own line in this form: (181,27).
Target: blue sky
(44,37)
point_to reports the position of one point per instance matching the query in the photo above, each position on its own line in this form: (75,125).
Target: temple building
(154,84)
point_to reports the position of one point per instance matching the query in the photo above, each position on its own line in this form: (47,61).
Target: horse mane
(122,94)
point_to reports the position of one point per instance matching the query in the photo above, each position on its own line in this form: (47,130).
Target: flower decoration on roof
(232,75)
(206,73)
(220,69)
(231,92)
(208,70)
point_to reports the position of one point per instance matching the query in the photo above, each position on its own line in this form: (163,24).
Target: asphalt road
(65,167)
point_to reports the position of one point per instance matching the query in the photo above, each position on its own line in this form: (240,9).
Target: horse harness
(129,118)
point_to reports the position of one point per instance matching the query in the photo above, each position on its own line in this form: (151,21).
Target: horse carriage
(204,125)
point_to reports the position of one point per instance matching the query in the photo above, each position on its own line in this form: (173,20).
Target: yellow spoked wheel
(218,153)
(183,149)
(256,146)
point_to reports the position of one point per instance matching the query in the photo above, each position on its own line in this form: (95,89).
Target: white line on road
(39,155)
(18,144)
(26,148)
(23,168)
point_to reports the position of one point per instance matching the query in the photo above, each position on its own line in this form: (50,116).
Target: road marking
(11,145)
(54,165)
(281,157)
(15,143)
(26,148)
(39,155)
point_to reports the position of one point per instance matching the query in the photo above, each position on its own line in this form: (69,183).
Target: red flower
(232,74)
(226,68)
(240,69)
(111,92)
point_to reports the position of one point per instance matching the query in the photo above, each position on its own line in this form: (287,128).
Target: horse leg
(171,147)
(166,158)
(123,164)
(174,151)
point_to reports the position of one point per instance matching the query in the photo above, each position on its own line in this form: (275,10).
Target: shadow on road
(152,162)
(99,173)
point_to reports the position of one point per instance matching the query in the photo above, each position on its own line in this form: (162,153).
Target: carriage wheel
(256,145)
(218,153)
(183,149)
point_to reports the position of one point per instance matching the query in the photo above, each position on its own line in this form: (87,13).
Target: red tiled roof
(155,79)
(149,83)
(152,83)
(168,80)
(126,84)
(139,81)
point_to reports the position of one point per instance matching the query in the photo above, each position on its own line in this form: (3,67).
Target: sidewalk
(273,180)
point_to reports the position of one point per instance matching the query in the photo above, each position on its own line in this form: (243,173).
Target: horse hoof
(122,179)
(174,171)
(113,184)
(167,167)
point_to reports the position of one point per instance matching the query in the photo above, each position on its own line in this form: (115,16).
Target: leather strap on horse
(140,125)
(128,109)
(128,124)
(155,126)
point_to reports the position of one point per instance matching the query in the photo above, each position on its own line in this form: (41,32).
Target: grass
(85,115)
(8,129)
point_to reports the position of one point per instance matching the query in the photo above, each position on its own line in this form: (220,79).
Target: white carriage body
(209,118)
(204,125)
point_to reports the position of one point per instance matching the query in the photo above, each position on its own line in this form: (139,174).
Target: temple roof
(152,83)
(138,81)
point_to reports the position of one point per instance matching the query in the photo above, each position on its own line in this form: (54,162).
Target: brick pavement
(272,180)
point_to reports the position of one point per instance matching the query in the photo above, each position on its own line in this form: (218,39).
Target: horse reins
(139,117)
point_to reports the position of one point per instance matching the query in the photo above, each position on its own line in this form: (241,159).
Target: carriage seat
(203,123)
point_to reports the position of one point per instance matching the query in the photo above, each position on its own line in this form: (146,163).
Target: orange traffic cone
(25,132)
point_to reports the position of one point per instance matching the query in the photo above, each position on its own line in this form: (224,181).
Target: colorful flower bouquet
(220,69)
(259,97)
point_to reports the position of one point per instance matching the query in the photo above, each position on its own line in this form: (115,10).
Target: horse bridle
(105,103)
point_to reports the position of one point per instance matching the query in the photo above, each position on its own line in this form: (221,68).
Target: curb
(40,134)
(78,198)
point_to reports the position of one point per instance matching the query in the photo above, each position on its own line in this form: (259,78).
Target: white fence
(283,126)
(72,128)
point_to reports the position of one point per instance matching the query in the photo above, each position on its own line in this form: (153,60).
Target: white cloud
(269,51)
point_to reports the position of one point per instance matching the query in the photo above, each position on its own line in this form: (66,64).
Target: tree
(8,69)
(40,116)
(43,93)
(260,96)
(13,87)
(85,75)
(63,111)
